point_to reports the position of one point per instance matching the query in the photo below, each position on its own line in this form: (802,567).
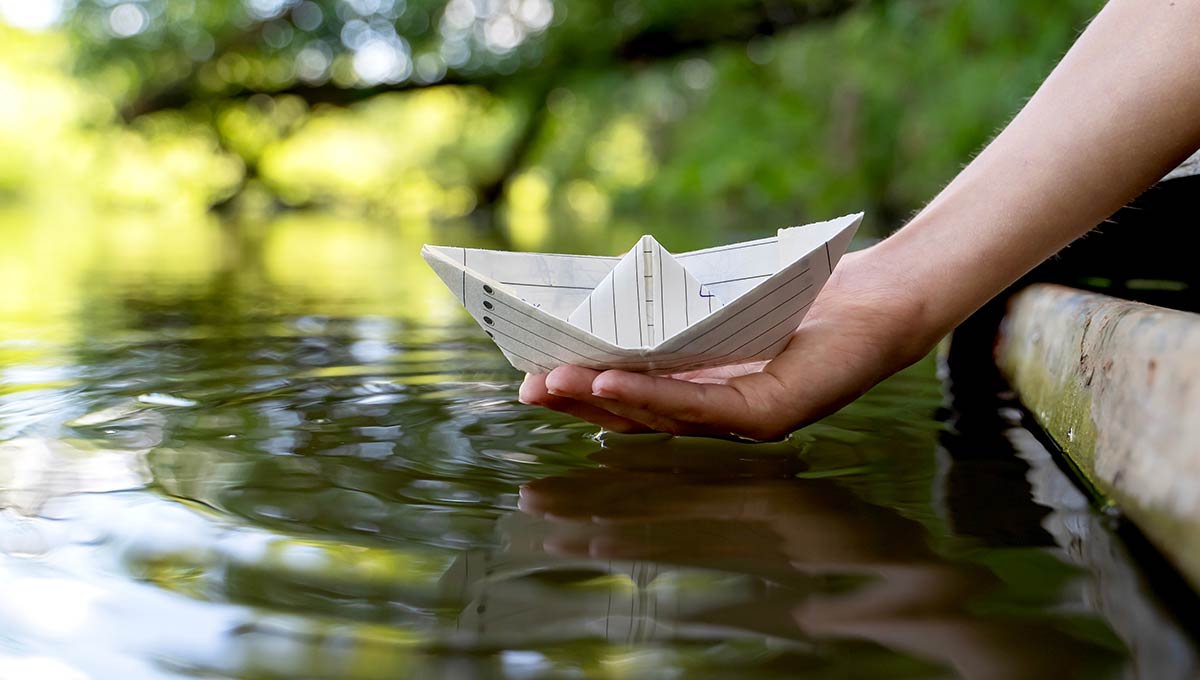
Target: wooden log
(1189,168)
(1116,384)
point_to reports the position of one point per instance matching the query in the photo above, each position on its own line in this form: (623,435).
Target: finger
(575,382)
(533,391)
(571,381)
(726,407)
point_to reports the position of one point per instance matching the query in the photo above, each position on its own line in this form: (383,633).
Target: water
(305,463)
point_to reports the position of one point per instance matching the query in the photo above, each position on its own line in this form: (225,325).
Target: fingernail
(555,392)
(601,392)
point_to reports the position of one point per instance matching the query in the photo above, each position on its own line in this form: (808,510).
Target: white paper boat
(648,310)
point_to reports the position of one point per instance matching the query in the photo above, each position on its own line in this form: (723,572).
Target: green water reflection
(281,451)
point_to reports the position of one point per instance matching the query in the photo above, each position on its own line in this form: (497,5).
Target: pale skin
(1119,111)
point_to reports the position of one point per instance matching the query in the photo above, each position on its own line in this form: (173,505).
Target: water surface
(301,460)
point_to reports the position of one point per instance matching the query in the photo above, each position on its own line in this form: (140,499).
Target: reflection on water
(229,474)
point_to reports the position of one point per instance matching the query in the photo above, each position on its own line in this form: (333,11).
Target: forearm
(1119,111)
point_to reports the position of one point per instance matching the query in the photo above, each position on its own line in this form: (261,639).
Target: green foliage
(875,110)
(557,123)
(227,46)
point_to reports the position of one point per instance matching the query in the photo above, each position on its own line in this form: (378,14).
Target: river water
(295,457)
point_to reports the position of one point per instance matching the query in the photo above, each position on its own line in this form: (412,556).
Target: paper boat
(647,310)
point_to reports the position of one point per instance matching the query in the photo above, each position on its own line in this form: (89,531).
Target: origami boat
(647,310)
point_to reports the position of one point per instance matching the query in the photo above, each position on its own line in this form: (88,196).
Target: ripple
(363,497)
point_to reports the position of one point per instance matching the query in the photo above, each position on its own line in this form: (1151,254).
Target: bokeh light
(33,15)
(553,123)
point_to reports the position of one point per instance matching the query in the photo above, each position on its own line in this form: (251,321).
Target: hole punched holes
(487,319)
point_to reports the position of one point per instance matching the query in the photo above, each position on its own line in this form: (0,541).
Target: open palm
(858,332)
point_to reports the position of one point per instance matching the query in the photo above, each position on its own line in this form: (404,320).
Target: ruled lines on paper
(648,297)
(648,310)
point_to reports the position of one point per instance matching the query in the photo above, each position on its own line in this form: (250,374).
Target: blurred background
(294,143)
(233,395)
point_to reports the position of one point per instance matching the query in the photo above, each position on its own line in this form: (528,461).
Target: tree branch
(665,39)
(521,148)
(181,93)
(677,36)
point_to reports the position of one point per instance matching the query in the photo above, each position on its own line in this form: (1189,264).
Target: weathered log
(1116,384)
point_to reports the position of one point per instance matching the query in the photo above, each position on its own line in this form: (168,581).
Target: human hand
(865,325)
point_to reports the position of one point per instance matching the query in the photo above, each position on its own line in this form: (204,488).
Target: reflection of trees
(669,542)
(351,509)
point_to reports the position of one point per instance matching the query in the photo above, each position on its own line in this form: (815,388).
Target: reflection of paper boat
(648,310)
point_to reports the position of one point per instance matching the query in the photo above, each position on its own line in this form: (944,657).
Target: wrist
(881,284)
(930,291)
(956,256)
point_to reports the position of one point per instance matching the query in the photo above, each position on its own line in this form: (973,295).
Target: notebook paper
(647,310)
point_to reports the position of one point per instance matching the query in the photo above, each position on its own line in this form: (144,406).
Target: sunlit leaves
(59,141)
(653,121)
(411,155)
(874,110)
(267,45)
